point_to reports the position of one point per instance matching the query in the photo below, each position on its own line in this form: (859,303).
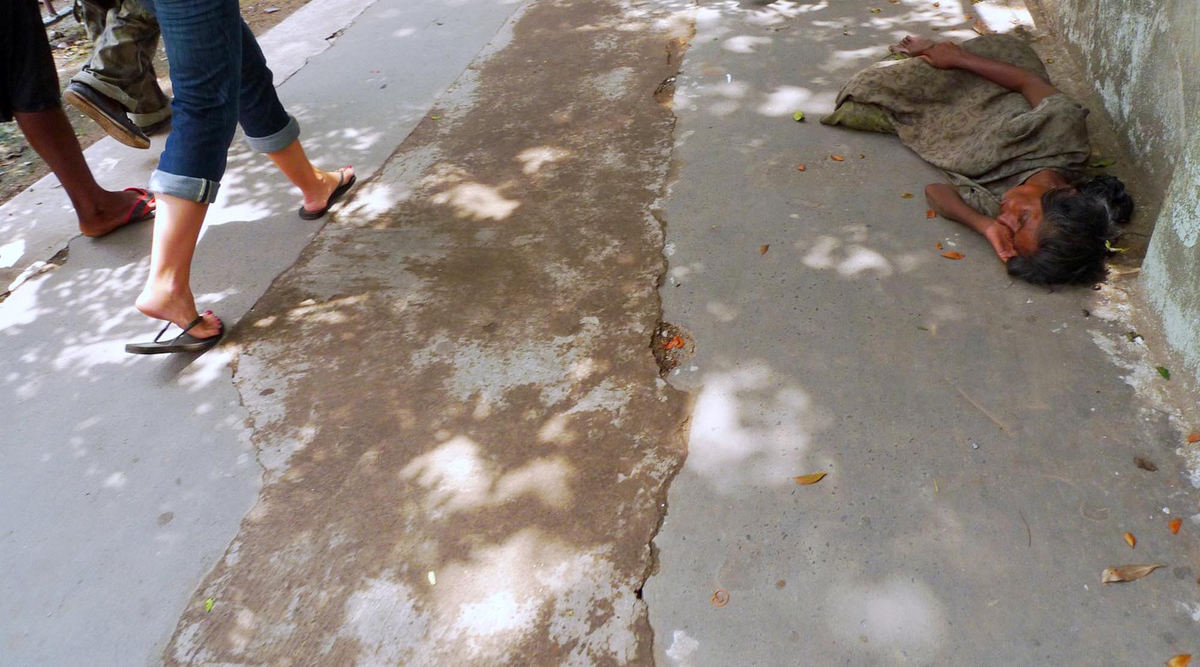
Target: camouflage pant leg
(125,37)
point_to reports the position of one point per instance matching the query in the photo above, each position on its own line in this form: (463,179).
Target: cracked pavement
(437,432)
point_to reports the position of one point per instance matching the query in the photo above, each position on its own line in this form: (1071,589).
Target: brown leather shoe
(107,113)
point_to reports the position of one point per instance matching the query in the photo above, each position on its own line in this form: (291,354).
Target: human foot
(115,210)
(333,184)
(942,55)
(183,342)
(912,45)
(178,309)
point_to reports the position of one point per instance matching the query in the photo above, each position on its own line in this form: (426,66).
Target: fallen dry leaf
(1130,540)
(907,195)
(1145,464)
(1194,437)
(980,27)
(765,247)
(800,167)
(805,480)
(720,598)
(1127,572)
(1174,525)
(939,245)
(674,343)
(1181,660)
(836,158)
(862,156)
(953,254)
(930,213)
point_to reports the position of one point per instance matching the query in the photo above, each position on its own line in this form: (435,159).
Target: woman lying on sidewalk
(1012,144)
(220,80)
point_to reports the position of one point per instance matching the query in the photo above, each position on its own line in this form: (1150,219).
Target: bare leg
(51,135)
(316,185)
(168,291)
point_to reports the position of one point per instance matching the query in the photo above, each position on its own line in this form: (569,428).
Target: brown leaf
(765,247)
(1194,437)
(980,27)
(800,167)
(1121,573)
(1181,660)
(836,158)
(939,245)
(907,195)
(805,480)
(1174,525)
(1130,540)
(930,213)
(1145,464)
(953,254)
(720,598)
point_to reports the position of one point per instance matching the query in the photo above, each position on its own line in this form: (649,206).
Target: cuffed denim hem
(185,187)
(278,141)
(148,119)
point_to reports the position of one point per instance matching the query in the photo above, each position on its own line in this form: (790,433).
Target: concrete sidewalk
(980,436)
(437,432)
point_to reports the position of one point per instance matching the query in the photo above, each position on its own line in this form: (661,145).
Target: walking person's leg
(117,87)
(29,93)
(219,77)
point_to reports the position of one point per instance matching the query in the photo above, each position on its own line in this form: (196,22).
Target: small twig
(1028,532)
(979,407)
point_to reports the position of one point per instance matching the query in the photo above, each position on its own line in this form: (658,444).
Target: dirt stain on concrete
(466,439)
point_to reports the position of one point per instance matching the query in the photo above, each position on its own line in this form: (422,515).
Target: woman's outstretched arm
(944,55)
(945,200)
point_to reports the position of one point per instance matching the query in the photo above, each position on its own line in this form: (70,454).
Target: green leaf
(208,605)
(1100,164)
(1163,372)
(798,116)
(1109,247)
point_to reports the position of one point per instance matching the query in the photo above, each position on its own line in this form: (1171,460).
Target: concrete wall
(1144,58)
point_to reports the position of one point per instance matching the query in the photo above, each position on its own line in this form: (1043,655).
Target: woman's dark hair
(1075,227)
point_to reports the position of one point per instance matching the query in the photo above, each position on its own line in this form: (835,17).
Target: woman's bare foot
(328,183)
(912,45)
(179,309)
(114,210)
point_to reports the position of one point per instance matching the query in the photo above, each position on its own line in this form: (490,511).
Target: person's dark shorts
(28,81)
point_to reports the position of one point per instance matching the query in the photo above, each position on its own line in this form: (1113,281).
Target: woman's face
(1021,211)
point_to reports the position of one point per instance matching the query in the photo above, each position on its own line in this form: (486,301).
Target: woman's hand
(1001,238)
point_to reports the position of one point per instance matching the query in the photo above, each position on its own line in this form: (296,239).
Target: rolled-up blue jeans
(220,79)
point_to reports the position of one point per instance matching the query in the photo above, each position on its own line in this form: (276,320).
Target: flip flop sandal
(184,342)
(343,187)
(141,209)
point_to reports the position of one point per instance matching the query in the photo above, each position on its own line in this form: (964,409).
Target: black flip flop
(343,187)
(184,342)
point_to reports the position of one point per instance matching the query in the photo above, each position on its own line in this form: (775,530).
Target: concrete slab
(124,479)
(466,435)
(979,435)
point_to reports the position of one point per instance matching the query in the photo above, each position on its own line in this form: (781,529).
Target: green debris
(1101,164)
(208,605)
(1163,372)
(1132,336)
(798,116)
(1111,248)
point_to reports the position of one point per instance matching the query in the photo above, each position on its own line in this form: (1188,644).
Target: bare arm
(945,200)
(944,55)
